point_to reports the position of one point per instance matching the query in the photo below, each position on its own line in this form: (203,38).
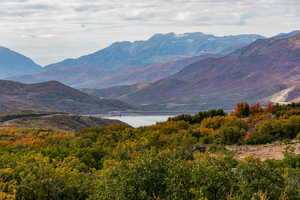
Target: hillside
(253,73)
(13,63)
(52,120)
(137,75)
(53,96)
(125,63)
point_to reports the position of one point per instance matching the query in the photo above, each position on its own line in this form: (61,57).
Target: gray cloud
(50,30)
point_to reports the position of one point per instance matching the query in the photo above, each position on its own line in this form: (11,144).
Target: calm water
(138,121)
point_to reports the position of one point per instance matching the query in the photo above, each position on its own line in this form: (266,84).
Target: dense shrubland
(155,162)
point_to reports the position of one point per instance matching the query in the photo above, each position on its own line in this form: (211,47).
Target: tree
(242,110)
(256,108)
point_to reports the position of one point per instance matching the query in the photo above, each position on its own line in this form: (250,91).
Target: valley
(150,100)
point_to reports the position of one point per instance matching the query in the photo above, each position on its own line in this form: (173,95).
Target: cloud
(214,12)
(75,27)
(38,36)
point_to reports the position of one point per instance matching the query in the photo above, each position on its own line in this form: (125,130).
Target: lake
(138,121)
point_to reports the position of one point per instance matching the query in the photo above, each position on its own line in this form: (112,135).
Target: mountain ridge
(138,53)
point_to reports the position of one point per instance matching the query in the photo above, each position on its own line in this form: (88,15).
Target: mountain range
(138,62)
(56,96)
(266,70)
(159,48)
(169,71)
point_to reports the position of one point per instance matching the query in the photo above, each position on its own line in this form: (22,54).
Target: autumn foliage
(162,161)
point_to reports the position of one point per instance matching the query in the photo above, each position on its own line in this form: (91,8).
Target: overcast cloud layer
(51,30)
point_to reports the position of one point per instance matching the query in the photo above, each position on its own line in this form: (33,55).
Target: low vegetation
(163,161)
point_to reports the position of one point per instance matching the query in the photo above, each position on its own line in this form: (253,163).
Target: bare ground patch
(267,151)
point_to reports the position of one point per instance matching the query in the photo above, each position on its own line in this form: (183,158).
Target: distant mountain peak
(14,63)
(121,43)
(159,36)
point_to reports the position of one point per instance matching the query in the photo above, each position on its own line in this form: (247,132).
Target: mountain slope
(151,73)
(252,73)
(13,63)
(90,77)
(53,96)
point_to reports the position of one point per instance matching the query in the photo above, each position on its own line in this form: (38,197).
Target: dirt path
(269,151)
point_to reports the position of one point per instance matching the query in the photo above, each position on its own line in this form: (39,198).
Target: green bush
(196,119)
(275,130)
(230,135)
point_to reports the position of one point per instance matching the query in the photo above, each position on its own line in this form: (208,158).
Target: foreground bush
(275,130)
(167,177)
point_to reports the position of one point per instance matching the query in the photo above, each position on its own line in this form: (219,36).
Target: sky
(49,31)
